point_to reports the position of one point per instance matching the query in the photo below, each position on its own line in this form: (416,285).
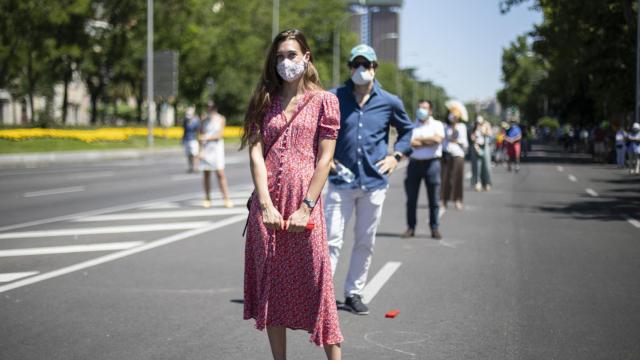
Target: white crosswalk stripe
(70,249)
(104,230)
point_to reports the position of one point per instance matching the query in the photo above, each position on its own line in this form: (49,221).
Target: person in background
(455,146)
(634,140)
(212,154)
(424,164)
(190,126)
(367,114)
(621,148)
(599,146)
(480,150)
(512,140)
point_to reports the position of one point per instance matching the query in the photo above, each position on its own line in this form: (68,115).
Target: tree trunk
(94,107)
(31,86)
(65,96)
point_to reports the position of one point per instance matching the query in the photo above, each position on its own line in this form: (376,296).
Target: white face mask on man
(362,76)
(290,70)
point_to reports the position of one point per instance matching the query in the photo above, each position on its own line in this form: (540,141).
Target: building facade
(378,24)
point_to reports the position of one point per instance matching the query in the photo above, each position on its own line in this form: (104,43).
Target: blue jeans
(429,170)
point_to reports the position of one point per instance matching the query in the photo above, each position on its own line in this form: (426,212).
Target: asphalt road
(118,260)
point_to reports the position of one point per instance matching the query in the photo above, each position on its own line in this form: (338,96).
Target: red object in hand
(310,226)
(392,314)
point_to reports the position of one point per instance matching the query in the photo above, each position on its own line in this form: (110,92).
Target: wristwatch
(398,156)
(310,203)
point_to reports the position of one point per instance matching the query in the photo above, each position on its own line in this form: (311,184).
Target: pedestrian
(512,140)
(621,148)
(480,150)
(634,140)
(455,148)
(290,128)
(599,147)
(424,164)
(212,154)
(190,126)
(367,112)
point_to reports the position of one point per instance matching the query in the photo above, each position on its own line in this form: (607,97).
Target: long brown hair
(270,83)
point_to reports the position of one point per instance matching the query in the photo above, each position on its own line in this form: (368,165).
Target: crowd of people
(607,143)
(301,137)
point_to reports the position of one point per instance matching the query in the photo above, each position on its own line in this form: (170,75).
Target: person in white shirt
(454,147)
(621,148)
(424,163)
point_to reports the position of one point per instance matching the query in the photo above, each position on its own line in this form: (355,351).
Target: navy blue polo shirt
(364,135)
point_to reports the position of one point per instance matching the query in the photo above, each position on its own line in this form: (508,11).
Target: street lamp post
(275,22)
(151,108)
(638,70)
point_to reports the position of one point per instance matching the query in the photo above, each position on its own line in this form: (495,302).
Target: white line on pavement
(632,221)
(94,175)
(70,249)
(159,206)
(560,168)
(164,214)
(181,177)
(8,277)
(572,178)
(54,191)
(378,281)
(122,254)
(591,192)
(104,230)
(116,208)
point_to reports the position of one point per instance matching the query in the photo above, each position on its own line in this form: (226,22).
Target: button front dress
(287,280)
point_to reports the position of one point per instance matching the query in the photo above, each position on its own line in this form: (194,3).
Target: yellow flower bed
(102,134)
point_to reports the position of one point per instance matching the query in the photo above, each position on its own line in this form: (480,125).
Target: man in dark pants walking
(424,163)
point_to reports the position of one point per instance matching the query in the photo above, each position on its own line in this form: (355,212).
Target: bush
(549,122)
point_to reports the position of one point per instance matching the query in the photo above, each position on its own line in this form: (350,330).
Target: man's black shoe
(355,305)
(436,234)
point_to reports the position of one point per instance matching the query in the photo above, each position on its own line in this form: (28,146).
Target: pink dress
(287,277)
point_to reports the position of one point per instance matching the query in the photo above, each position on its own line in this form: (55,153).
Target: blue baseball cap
(365,51)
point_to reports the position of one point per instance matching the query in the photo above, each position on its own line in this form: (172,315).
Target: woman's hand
(271,218)
(298,220)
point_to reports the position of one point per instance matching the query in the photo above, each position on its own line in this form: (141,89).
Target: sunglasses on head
(364,63)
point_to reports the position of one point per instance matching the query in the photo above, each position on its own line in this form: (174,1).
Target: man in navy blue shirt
(362,167)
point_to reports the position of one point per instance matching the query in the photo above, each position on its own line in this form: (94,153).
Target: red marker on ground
(392,314)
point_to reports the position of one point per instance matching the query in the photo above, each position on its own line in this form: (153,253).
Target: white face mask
(362,76)
(422,114)
(290,70)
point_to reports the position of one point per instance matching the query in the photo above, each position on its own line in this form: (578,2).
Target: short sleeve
(329,117)
(440,130)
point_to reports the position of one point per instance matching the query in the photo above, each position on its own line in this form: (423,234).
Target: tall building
(378,24)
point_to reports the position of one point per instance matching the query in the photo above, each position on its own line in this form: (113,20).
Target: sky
(458,43)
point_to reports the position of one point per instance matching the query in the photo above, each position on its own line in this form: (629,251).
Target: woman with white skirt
(212,154)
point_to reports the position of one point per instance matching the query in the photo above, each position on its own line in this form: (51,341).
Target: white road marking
(632,221)
(122,254)
(158,206)
(118,208)
(165,214)
(104,230)
(560,168)
(94,175)
(572,178)
(378,281)
(591,192)
(183,177)
(57,191)
(8,277)
(70,249)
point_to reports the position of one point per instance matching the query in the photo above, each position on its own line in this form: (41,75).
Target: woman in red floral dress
(290,129)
